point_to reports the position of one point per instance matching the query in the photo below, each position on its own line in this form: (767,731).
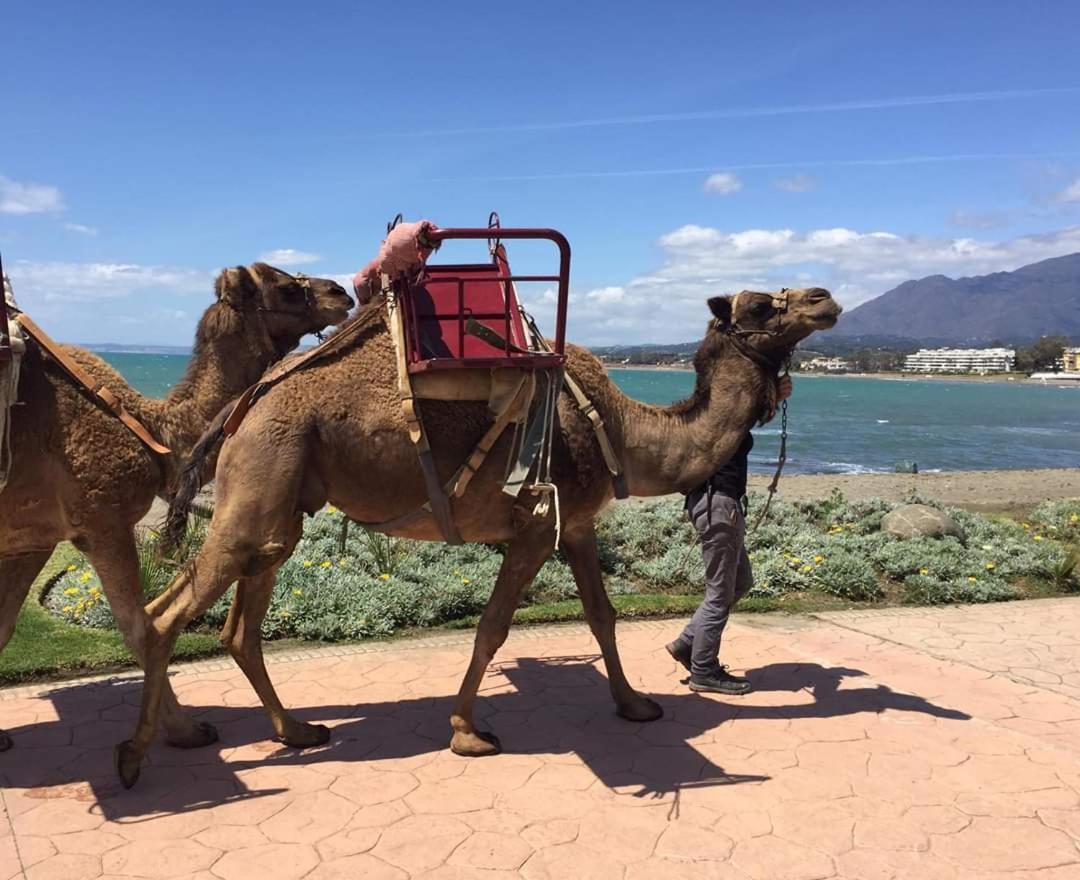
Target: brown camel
(335,433)
(81,476)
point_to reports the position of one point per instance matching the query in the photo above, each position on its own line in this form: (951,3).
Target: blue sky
(685,151)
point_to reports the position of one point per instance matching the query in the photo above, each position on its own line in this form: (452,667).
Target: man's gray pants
(728,576)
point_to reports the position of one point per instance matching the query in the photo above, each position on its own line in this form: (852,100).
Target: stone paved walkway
(925,744)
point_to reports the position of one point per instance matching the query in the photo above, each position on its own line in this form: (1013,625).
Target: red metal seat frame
(444,298)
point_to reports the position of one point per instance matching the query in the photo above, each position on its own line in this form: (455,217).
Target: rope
(781,458)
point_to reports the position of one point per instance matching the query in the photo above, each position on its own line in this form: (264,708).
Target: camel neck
(221,369)
(677,448)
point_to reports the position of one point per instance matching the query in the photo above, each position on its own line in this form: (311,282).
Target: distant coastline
(1004,378)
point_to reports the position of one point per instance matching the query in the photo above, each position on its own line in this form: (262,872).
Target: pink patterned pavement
(894,744)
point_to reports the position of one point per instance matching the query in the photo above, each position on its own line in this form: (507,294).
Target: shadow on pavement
(556,706)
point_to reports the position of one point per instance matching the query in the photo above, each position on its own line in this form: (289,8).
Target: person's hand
(783,387)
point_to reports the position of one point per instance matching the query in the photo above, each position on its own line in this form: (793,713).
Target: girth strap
(97,389)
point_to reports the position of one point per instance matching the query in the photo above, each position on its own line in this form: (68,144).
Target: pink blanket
(404,250)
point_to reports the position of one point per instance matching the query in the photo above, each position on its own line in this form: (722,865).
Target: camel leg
(581,552)
(525,555)
(190,594)
(242,637)
(116,560)
(16,576)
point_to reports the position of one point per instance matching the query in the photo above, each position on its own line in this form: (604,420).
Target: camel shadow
(543,707)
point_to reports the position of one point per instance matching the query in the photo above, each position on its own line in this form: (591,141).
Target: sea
(846,425)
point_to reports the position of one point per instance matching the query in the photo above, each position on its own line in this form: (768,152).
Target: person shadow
(539,706)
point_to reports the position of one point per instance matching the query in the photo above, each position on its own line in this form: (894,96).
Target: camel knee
(264,558)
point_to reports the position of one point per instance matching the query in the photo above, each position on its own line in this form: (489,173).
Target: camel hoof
(6,742)
(306,736)
(127,762)
(477,744)
(201,734)
(642,709)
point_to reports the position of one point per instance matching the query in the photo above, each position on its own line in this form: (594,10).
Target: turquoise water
(842,425)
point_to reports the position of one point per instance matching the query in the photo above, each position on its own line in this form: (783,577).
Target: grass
(44,646)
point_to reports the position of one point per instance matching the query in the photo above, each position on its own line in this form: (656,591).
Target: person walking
(717,508)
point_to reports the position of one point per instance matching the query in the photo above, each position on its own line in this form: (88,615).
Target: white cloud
(723,184)
(1071,193)
(606,295)
(977,219)
(798,183)
(28,198)
(81,228)
(668,305)
(288,257)
(94,282)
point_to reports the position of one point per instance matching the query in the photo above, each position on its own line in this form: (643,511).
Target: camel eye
(760,309)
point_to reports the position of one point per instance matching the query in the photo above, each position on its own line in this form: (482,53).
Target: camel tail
(191,480)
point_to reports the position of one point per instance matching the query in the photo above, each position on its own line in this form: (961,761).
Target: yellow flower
(85,576)
(67,609)
(76,568)
(285,613)
(331,509)
(924,571)
(466,581)
(806,568)
(1026,525)
(384,576)
(819,559)
(298,592)
(308,563)
(1037,538)
(326,563)
(1075,517)
(343,563)
(95,593)
(972,580)
(71,591)
(990,566)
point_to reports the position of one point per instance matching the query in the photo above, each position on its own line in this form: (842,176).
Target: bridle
(304,283)
(771,367)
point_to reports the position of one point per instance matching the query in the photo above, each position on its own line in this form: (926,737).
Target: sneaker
(680,653)
(721,682)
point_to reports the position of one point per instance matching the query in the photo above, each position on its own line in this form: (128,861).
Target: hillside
(1035,300)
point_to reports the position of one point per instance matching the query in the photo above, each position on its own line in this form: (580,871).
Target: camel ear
(235,287)
(720,306)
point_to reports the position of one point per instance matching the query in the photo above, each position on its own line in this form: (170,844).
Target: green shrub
(847,575)
(346,583)
(924,590)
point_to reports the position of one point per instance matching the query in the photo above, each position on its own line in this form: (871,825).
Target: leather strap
(590,412)
(460,481)
(437,496)
(97,389)
(292,364)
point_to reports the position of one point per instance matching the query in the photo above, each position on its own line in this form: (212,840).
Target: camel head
(773,323)
(288,307)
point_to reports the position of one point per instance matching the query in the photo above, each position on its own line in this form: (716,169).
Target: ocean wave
(882,421)
(848,467)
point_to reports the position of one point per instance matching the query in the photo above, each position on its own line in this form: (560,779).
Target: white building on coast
(828,365)
(961,360)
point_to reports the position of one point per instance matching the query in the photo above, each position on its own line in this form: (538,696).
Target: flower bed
(358,585)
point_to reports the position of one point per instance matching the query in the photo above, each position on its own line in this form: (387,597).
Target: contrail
(750,112)
(757,166)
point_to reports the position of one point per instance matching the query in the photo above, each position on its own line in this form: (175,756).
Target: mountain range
(1036,300)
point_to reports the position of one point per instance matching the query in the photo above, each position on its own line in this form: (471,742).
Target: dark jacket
(730,479)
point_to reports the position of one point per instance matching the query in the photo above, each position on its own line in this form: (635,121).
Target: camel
(80,475)
(335,434)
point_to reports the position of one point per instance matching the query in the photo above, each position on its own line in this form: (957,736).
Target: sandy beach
(990,491)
